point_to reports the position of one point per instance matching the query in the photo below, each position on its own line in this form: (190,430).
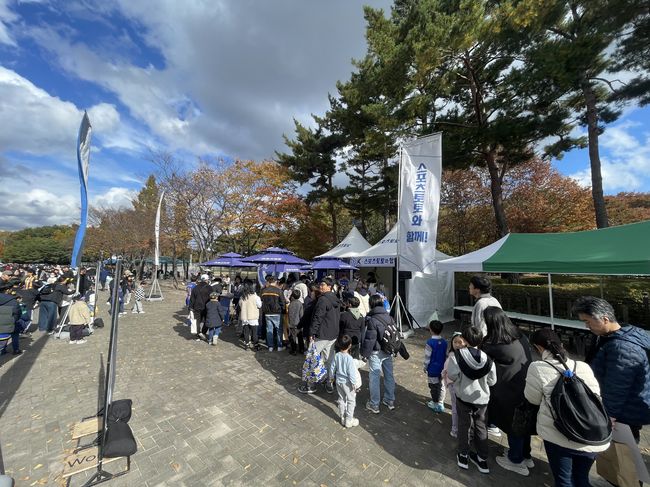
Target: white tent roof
(387,247)
(472,262)
(351,246)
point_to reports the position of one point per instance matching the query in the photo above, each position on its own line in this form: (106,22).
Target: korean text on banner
(421,169)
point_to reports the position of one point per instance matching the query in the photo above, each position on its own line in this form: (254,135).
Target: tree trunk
(594,156)
(332,210)
(497,194)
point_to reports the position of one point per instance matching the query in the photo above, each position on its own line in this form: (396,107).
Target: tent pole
(601,288)
(550,300)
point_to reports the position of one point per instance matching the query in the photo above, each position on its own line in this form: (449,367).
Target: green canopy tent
(621,250)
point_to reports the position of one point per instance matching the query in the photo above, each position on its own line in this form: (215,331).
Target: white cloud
(233,74)
(6,18)
(625,160)
(35,122)
(48,196)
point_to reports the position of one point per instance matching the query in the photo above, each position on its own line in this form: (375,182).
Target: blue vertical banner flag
(83,160)
(420,173)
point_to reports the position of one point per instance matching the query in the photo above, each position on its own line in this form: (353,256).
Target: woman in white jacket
(570,462)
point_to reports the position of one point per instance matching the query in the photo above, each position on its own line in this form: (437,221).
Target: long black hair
(248,289)
(500,329)
(548,340)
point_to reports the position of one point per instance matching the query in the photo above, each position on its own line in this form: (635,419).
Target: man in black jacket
(51,297)
(199,297)
(324,329)
(273,305)
(9,316)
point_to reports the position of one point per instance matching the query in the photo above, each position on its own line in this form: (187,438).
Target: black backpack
(389,341)
(578,413)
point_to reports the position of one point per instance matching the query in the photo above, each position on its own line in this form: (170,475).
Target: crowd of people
(36,298)
(488,370)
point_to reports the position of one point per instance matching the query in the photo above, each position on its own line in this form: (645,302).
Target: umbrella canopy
(231,259)
(332,264)
(275,255)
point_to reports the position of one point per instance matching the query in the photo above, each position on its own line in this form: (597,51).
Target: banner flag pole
(155,293)
(83,161)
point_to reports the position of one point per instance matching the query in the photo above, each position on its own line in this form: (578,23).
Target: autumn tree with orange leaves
(537,199)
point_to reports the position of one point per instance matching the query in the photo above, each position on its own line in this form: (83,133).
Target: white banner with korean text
(420,173)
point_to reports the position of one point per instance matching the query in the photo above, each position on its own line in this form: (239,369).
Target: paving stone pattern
(213,416)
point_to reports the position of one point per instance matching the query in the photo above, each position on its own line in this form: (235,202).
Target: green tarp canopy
(621,250)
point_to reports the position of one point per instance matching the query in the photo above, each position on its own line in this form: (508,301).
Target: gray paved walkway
(224,416)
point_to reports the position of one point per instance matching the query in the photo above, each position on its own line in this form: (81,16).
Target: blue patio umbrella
(332,264)
(231,259)
(275,255)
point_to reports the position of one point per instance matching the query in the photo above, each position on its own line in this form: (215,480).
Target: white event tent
(426,294)
(352,245)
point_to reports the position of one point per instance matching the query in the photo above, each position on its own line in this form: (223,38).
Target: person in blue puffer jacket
(619,359)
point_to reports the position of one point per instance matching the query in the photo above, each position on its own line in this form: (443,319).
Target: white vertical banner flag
(419,179)
(156,259)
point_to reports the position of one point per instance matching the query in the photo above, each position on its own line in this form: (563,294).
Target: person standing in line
(570,462)
(379,362)
(473,373)
(510,351)
(249,306)
(344,370)
(457,343)
(435,354)
(198,299)
(324,329)
(480,288)
(214,318)
(273,303)
(352,324)
(295,313)
(619,359)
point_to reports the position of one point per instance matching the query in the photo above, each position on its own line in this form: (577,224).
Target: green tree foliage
(313,160)
(570,55)
(52,245)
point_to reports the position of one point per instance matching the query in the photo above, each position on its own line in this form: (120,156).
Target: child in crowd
(344,369)
(435,353)
(295,313)
(457,343)
(138,296)
(214,318)
(472,373)
(79,317)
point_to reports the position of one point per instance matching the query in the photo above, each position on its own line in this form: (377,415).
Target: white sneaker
(280,349)
(79,342)
(529,462)
(352,423)
(73,342)
(520,468)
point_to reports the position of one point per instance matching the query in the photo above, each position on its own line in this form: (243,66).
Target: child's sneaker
(329,387)
(306,389)
(432,405)
(440,408)
(453,434)
(479,462)
(462,460)
(352,423)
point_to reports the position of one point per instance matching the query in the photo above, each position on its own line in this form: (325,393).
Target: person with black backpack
(380,345)
(571,419)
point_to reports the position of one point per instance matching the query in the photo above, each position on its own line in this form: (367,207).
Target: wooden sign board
(82,461)
(89,427)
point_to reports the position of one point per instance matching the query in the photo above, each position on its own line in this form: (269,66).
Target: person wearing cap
(198,299)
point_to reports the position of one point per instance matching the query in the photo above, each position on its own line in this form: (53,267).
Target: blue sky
(214,77)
